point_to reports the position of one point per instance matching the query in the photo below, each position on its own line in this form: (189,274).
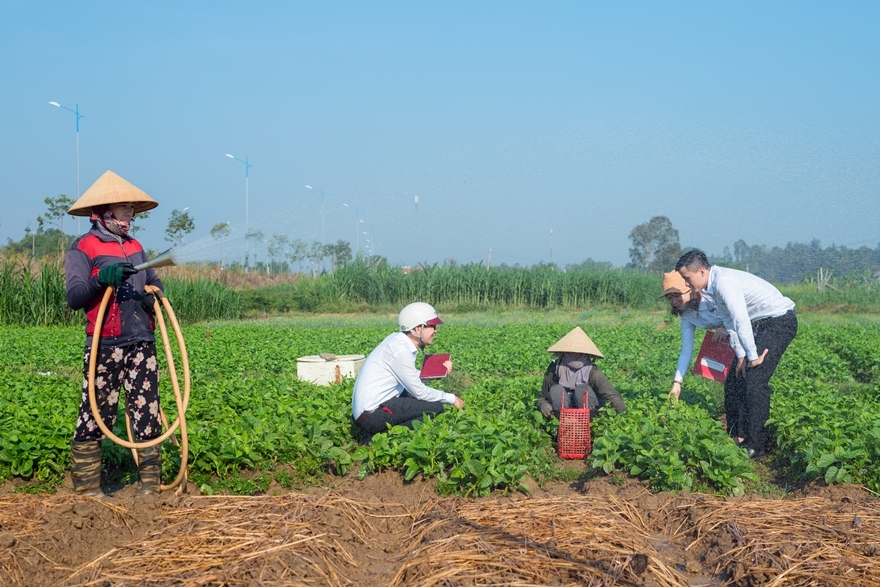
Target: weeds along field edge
(251,420)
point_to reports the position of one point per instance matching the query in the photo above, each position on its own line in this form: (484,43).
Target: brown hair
(691,304)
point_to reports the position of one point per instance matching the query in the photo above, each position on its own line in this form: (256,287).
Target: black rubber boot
(85,470)
(149,471)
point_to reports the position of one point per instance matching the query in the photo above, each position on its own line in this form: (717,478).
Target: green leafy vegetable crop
(250,416)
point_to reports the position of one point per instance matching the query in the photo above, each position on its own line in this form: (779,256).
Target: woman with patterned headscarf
(126,365)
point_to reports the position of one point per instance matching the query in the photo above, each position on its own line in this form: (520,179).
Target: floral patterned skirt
(132,370)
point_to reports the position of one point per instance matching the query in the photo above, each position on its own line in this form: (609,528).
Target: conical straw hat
(111,189)
(576,341)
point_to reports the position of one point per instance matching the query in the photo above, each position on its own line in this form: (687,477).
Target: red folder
(433,368)
(714,359)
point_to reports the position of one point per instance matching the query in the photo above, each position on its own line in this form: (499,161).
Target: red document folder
(714,359)
(432,367)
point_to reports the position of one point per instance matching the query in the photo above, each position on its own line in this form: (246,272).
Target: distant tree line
(656,248)
(799,261)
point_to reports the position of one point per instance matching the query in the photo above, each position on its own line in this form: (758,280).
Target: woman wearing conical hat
(126,365)
(574,378)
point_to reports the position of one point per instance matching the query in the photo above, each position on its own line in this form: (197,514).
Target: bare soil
(382,531)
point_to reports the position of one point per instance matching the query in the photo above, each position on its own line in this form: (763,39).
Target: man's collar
(711,281)
(415,342)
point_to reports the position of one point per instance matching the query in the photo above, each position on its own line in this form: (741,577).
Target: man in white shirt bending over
(761,323)
(388,389)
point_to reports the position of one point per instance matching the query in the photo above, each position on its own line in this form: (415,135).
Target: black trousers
(747,397)
(575,398)
(400,411)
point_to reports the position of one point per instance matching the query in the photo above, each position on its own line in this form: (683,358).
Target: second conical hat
(576,341)
(111,189)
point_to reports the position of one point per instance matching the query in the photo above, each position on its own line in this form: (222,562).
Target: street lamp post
(28,232)
(78,116)
(417,228)
(323,195)
(357,230)
(247,167)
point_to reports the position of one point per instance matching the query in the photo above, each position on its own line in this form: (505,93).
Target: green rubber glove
(115,274)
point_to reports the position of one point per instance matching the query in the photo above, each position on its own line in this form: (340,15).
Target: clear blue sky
(752,120)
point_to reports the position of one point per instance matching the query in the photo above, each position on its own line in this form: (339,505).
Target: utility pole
(489,258)
(551,245)
(29,232)
(417,228)
(247,235)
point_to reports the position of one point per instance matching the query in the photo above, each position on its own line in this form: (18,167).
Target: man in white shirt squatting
(388,389)
(761,323)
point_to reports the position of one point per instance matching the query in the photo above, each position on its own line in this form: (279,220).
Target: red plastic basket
(573,439)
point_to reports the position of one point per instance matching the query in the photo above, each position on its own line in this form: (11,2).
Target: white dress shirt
(707,317)
(388,370)
(743,298)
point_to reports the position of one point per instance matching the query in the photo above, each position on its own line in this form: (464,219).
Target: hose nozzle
(163,260)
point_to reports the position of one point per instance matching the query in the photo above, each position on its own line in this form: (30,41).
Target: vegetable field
(282,493)
(252,421)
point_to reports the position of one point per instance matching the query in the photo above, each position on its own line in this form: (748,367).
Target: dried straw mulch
(289,540)
(333,540)
(807,541)
(239,541)
(583,540)
(21,528)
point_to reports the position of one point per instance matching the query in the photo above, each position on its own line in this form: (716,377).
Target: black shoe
(756,454)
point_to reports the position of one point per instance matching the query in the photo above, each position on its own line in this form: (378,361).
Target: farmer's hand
(459,403)
(546,410)
(115,274)
(675,392)
(148,302)
(720,334)
(448,365)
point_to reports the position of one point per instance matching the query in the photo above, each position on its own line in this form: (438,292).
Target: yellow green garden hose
(182,401)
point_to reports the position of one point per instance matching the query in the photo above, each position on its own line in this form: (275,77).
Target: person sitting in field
(388,390)
(574,378)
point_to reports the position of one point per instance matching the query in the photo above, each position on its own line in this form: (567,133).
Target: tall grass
(360,286)
(473,286)
(32,293)
(856,297)
(196,300)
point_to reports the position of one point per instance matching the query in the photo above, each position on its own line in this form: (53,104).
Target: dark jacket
(125,321)
(596,380)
